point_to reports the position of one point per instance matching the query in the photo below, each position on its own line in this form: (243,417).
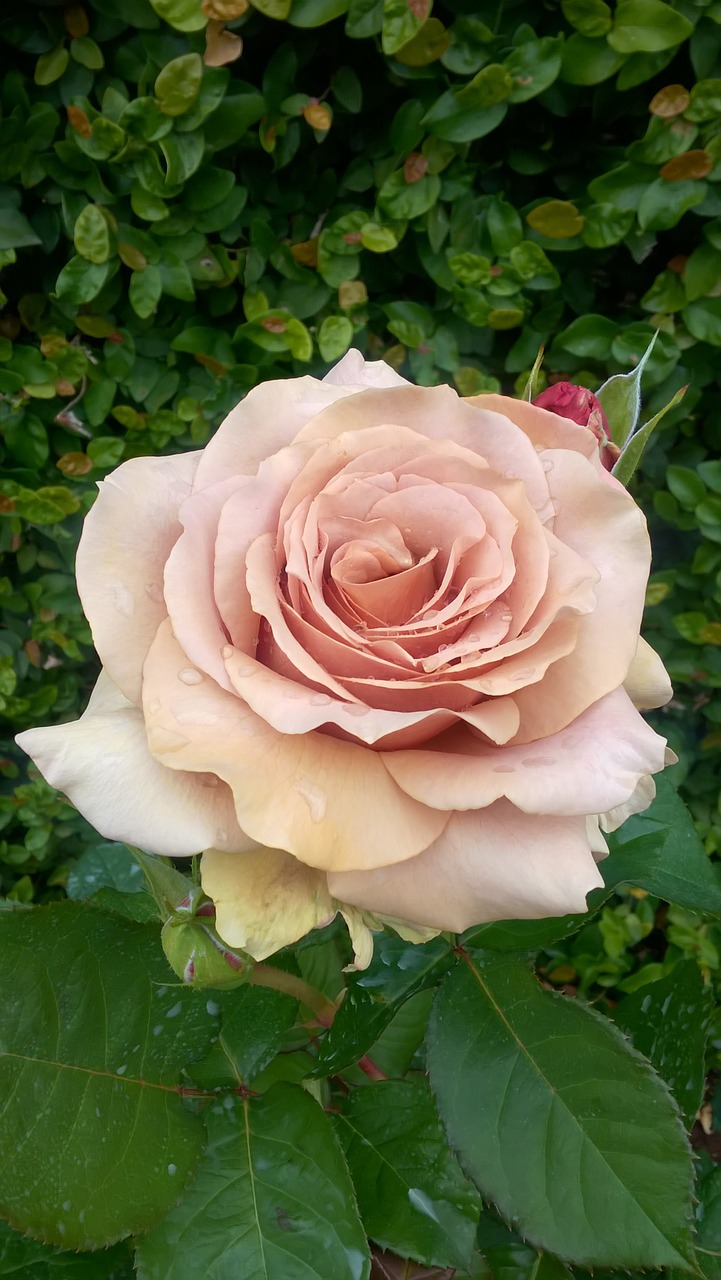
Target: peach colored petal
(605,527)
(102,762)
(264,899)
(642,797)
(328,802)
(545,430)
(189,579)
(591,766)
(496,864)
(294,708)
(647,683)
(270,417)
(126,539)
(356,372)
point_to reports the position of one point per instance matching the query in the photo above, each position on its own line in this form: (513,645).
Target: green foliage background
(493,176)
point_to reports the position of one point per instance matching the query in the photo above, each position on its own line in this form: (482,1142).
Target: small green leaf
(109,1064)
(589,337)
(87,53)
(272,1199)
(620,398)
(91,234)
(605,225)
(630,458)
(647,26)
(15,230)
(591,17)
(178,84)
(105,866)
(79,282)
(534,67)
(378,239)
(668,1022)
(449,120)
(703,320)
(663,204)
(587,62)
(334,337)
(491,85)
(556,219)
(402,19)
(50,66)
(315,13)
(400,199)
(144,291)
(184,15)
(570,1134)
(412,1195)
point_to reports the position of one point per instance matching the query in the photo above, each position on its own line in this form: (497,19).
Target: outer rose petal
(102,762)
(591,766)
(354,371)
(496,864)
(331,803)
(127,537)
(264,899)
(647,683)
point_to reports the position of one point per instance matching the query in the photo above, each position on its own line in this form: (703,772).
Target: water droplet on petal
(221,836)
(548,465)
(123,599)
(356,709)
(321,700)
(506,617)
(154,705)
(161,740)
(443,648)
(537,762)
(189,675)
(503,768)
(207,779)
(154,591)
(227,651)
(314,798)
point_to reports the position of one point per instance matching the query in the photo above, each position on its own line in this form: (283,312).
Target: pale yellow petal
(647,683)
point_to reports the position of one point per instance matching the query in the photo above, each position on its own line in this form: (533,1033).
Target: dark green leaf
(272,1200)
(94,1039)
(572,1136)
(668,1023)
(412,1195)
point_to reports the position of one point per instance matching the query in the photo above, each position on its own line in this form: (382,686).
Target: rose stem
(264,975)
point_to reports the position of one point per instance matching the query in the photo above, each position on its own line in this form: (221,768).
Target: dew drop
(154,705)
(157,1030)
(67,1206)
(154,592)
(120,1071)
(175,1010)
(189,675)
(443,648)
(314,798)
(212,1007)
(321,700)
(356,709)
(196,715)
(172,1169)
(207,779)
(537,762)
(221,836)
(227,651)
(503,768)
(506,617)
(548,465)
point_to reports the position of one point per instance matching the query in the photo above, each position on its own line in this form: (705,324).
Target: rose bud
(581,406)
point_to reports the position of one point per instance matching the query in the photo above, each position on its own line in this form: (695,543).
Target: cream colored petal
(647,683)
(589,767)
(495,864)
(354,371)
(361,935)
(102,763)
(642,797)
(126,539)
(264,899)
(331,803)
(270,417)
(545,429)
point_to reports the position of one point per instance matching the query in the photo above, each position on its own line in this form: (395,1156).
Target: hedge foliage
(195,198)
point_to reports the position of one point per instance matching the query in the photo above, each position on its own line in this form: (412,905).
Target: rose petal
(126,539)
(495,864)
(647,683)
(591,766)
(331,803)
(356,372)
(264,899)
(102,762)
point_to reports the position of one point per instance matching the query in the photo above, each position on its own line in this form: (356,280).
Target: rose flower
(374,649)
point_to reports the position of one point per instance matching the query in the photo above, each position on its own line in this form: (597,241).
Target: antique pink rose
(375,648)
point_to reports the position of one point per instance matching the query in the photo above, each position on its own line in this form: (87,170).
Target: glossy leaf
(272,1200)
(413,1197)
(559,1124)
(647,26)
(92,235)
(102,1143)
(668,1023)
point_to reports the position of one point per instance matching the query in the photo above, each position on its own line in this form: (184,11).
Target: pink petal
(492,864)
(330,803)
(126,539)
(356,372)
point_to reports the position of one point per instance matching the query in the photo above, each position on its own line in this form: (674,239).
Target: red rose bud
(581,406)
